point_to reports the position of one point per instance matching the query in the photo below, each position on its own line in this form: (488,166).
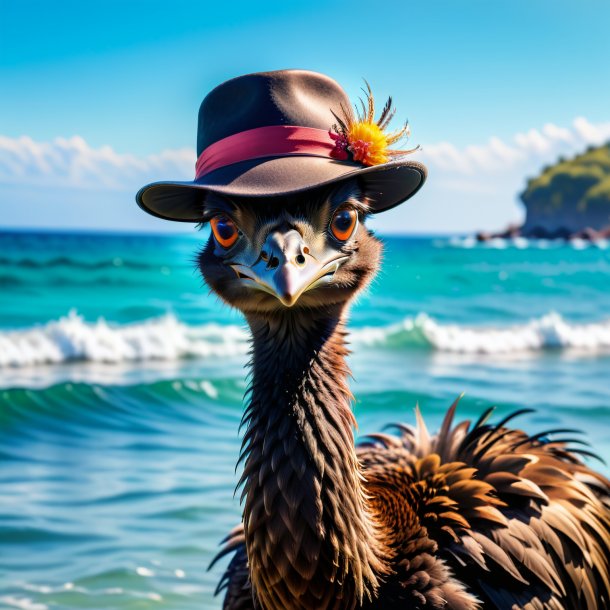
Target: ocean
(122,379)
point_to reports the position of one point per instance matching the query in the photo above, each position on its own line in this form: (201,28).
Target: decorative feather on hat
(361,138)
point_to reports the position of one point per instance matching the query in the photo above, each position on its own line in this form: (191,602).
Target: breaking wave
(71,338)
(550,331)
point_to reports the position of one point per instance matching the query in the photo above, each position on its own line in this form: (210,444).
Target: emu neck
(310,538)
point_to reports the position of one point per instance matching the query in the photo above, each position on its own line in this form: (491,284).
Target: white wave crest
(166,339)
(72,339)
(547,332)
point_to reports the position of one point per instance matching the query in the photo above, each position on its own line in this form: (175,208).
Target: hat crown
(282,97)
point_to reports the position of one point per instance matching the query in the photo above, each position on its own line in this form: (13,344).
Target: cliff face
(570,196)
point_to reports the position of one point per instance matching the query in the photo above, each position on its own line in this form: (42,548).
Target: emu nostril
(300,260)
(274,262)
(264,255)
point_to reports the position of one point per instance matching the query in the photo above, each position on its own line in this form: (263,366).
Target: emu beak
(286,269)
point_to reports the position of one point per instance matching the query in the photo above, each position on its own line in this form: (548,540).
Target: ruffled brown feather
(481,512)
(520,520)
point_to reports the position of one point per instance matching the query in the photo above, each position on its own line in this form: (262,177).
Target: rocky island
(570,199)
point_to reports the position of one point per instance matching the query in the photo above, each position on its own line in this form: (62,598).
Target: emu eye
(225,231)
(343,223)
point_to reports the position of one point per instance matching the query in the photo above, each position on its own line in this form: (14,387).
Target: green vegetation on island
(573,194)
(568,199)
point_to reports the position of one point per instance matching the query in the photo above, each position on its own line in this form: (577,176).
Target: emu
(476,516)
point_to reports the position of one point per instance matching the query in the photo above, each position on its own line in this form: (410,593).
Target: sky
(100,98)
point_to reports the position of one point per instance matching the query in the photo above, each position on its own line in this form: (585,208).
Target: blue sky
(126,79)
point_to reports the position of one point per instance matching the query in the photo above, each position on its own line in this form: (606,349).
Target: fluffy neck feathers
(310,537)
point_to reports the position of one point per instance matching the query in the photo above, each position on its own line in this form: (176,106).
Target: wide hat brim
(385,185)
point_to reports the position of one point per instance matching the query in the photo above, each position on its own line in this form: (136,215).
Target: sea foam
(550,331)
(71,338)
(521,243)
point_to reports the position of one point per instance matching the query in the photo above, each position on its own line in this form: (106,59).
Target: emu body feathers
(518,521)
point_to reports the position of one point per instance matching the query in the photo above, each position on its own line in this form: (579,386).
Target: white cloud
(471,187)
(72,163)
(530,149)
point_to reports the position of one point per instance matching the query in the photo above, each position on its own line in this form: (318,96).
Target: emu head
(305,251)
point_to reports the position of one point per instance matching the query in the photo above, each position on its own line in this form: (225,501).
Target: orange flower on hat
(367,143)
(364,138)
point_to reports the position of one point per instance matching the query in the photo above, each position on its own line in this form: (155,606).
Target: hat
(283,132)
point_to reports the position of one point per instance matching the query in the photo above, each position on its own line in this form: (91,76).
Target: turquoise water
(121,384)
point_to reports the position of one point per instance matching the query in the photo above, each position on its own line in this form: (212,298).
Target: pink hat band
(271,141)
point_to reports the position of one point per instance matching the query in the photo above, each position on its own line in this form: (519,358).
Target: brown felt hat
(268,134)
